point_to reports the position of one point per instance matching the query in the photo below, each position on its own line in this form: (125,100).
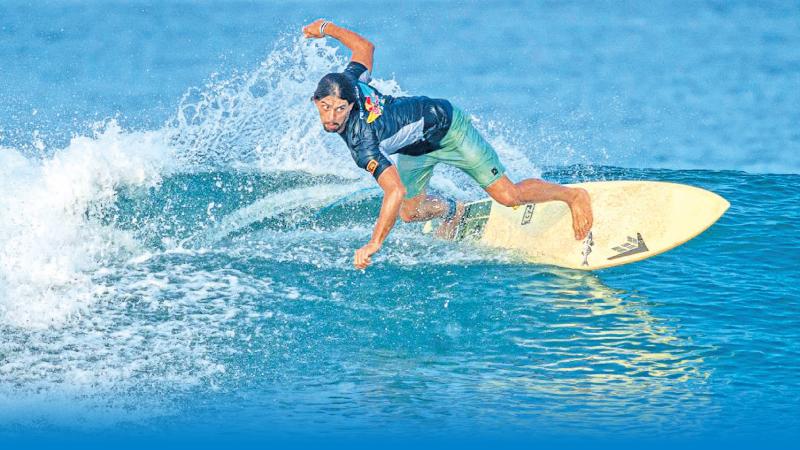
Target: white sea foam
(159,330)
(49,246)
(273,205)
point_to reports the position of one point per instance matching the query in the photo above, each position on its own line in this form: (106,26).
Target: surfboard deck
(633,220)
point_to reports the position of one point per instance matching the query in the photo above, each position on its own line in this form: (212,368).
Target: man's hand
(311,30)
(363,50)
(362,257)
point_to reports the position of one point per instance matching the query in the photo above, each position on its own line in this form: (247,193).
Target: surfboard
(633,220)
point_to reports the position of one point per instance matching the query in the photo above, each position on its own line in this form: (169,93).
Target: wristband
(322,27)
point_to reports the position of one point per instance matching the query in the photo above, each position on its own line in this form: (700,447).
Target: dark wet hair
(336,84)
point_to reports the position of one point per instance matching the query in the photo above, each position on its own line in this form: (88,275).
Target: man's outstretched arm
(362,49)
(393,193)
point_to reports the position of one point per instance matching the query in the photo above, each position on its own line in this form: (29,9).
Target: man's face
(333,112)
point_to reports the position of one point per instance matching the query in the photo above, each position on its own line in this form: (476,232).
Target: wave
(224,161)
(49,246)
(241,157)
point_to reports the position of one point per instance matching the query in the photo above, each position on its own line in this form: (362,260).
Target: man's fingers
(359,259)
(312,30)
(363,256)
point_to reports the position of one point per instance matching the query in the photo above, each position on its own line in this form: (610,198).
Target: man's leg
(415,173)
(424,207)
(465,148)
(506,193)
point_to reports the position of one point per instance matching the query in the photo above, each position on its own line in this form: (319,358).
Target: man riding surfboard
(423,132)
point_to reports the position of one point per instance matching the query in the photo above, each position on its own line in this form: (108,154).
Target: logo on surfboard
(588,243)
(528,214)
(631,247)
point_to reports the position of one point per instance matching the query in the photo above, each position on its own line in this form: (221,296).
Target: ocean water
(177,230)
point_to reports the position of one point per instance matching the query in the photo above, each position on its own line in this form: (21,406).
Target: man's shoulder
(357,71)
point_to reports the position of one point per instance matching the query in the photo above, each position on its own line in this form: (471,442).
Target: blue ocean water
(176,229)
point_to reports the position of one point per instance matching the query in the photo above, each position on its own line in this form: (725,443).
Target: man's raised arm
(362,49)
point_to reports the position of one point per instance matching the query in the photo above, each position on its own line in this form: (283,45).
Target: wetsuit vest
(380,125)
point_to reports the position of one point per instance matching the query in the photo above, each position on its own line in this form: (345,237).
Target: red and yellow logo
(374,109)
(371,166)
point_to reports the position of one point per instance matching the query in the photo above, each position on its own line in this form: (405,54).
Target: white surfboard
(633,220)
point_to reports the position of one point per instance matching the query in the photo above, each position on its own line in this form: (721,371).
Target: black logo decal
(631,247)
(494,170)
(587,248)
(526,217)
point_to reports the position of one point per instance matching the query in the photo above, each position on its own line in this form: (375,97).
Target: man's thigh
(415,173)
(471,153)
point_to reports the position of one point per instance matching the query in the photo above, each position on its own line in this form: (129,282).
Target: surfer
(423,132)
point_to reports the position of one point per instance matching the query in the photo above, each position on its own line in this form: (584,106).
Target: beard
(338,127)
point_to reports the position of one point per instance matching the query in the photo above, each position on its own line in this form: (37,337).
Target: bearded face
(333,112)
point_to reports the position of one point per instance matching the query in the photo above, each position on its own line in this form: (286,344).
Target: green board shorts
(462,147)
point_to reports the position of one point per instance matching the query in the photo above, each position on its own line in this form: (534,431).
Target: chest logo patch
(374,106)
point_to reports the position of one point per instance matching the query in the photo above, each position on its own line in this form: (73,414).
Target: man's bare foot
(447,230)
(581,207)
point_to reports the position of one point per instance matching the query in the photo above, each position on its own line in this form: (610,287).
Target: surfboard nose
(704,205)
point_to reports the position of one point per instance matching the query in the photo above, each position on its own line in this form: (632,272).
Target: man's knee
(406,216)
(507,197)
(408,211)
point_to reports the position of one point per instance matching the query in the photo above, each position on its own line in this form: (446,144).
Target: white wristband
(322,27)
